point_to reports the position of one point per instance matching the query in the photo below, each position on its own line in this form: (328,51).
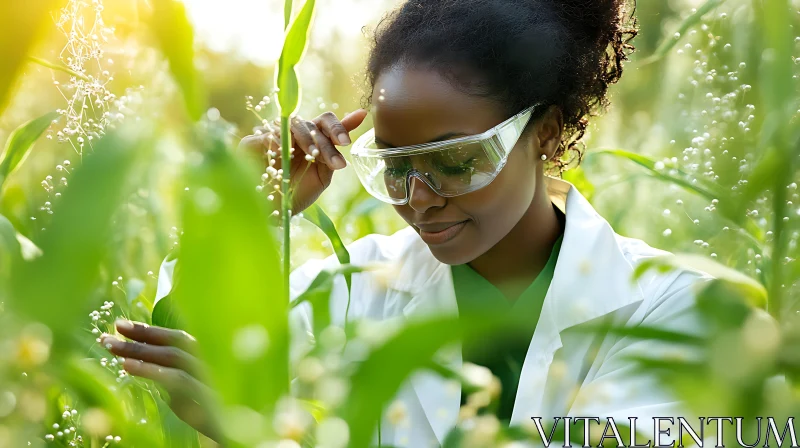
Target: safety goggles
(450,167)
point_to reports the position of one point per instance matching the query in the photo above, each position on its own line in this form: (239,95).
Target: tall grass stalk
(286,198)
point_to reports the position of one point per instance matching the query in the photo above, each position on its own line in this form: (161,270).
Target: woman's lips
(442,236)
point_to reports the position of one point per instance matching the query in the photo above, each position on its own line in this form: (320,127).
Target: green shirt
(504,356)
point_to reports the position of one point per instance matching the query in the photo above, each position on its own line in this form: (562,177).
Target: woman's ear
(548,131)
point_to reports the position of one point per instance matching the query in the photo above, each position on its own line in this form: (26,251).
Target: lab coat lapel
(592,278)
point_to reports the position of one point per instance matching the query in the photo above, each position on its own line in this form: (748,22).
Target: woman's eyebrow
(440,138)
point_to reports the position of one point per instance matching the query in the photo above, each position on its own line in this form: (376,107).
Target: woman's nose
(421,197)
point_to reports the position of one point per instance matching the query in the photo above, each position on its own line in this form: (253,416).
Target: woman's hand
(167,357)
(318,138)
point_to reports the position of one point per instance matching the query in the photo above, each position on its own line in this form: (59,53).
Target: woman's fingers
(330,125)
(169,377)
(354,119)
(156,335)
(321,135)
(162,355)
(309,138)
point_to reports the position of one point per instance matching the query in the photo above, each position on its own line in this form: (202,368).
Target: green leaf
(669,42)
(177,434)
(22,26)
(750,288)
(319,218)
(411,349)
(294,46)
(230,291)
(175,37)
(643,332)
(55,288)
(318,294)
(287,13)
(165,314)
(58,67)
(764,174)
(729,208)
(20,143)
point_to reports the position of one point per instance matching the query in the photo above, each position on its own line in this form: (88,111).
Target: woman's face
(414,106)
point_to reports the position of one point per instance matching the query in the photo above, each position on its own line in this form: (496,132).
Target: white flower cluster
(66,433)
(90,105)
(103,323)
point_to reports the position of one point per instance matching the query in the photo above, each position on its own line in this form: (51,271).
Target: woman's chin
(460,250)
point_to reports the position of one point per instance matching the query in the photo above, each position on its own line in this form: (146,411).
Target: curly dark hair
(518,52)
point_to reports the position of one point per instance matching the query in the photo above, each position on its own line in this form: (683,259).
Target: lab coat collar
(592,278)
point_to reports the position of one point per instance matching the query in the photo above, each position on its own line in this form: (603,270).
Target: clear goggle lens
(450,168)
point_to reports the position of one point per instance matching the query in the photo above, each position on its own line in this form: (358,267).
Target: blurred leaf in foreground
(230,290)
(175,37)
(22,25)
(54,288)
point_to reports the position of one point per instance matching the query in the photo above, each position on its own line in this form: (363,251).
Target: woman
(496,93)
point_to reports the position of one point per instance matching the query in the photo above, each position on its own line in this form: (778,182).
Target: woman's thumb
(354,119)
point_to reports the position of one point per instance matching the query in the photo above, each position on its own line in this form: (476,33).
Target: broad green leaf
(230,291)
(22,26)
(54,288)
(318,294)
(294,46)
(175,37)
(728,207)
(20,143)
(411,349)
(699,187)
(752,289)
(319,218)
(643,332)
(166,315)
(92,386)
(177,434)
(669,42)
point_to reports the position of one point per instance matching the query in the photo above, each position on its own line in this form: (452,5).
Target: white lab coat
(592,281)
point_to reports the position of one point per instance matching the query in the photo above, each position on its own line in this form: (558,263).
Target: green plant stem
(60,68)
(286,204)
(775,304)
